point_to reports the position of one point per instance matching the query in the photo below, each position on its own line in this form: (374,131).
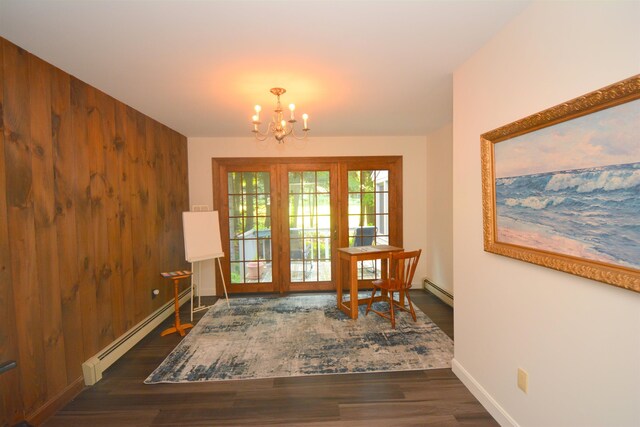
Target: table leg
(339,282)
(353,287)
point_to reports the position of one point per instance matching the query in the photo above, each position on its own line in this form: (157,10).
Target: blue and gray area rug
(300,335)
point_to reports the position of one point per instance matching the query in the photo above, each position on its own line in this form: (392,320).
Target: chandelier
(278,127)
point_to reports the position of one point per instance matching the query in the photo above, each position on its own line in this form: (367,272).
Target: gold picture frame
(544,203)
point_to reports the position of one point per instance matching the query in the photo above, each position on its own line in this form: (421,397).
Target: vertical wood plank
(171,199)
(82,193)
(10,403)
(65,183)
(163,214)
(181,197)
(153,223)
(44,216)
(98,224)
(123,163)
(174,202)
(136,132)
(111,202)
(22,239)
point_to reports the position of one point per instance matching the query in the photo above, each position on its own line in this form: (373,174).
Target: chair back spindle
(403,268)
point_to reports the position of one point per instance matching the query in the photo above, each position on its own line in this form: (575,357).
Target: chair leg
(413,312)
(392,311)
(373,294)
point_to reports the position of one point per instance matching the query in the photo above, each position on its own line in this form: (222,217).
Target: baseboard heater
(93,368)
(442,294)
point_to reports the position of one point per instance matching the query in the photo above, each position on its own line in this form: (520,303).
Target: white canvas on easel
(201,243)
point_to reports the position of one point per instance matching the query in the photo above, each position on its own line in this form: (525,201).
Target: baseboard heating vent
(93,368)
(442,294)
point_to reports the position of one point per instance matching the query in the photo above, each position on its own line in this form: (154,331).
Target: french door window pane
(235,178)
(354,181)
(323,182)
(237,272)
(263,182)
(234,250)
(295,182)
(309,182)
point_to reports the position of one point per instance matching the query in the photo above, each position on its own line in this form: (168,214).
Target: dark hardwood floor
(416,398)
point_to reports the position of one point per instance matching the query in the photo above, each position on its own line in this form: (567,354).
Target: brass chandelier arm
(260,136)
(293,134)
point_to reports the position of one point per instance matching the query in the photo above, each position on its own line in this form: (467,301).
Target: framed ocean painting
(561,188)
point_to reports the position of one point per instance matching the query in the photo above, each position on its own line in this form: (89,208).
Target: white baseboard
(93,368)
(496,411)
(436,290)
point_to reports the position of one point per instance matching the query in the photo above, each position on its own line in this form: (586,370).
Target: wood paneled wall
(91,195)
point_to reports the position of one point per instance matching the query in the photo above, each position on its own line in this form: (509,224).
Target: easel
(196,285)
(202,243)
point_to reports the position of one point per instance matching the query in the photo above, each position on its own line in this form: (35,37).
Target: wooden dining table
(350,257)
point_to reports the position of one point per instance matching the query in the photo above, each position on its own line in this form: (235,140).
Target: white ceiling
(356,67)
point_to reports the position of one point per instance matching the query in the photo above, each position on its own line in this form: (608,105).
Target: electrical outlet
(200,208)
(523,380)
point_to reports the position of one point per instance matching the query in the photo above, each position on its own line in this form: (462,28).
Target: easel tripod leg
(224,285)
(192,292)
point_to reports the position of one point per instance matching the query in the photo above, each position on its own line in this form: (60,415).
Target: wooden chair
(402,267)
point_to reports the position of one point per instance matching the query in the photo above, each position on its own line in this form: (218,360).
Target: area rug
(300,335)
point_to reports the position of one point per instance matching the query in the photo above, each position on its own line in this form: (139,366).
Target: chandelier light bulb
(305,117)
(292,107)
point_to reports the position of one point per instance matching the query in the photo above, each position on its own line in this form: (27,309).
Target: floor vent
(442,294)
(93,368)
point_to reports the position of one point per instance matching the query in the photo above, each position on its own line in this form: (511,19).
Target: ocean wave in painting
(590,213)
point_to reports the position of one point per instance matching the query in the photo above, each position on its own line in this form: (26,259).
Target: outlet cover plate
(523,380)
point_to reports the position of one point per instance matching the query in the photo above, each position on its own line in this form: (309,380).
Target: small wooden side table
(176,276)
(351,256)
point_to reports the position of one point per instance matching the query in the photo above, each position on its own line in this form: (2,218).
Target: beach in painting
(574,188)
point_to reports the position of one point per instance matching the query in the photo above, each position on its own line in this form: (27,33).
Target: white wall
(578,339)
(440,208)
(412,148)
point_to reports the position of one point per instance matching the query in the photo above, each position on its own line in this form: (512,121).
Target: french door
(283,219)
(309,224)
